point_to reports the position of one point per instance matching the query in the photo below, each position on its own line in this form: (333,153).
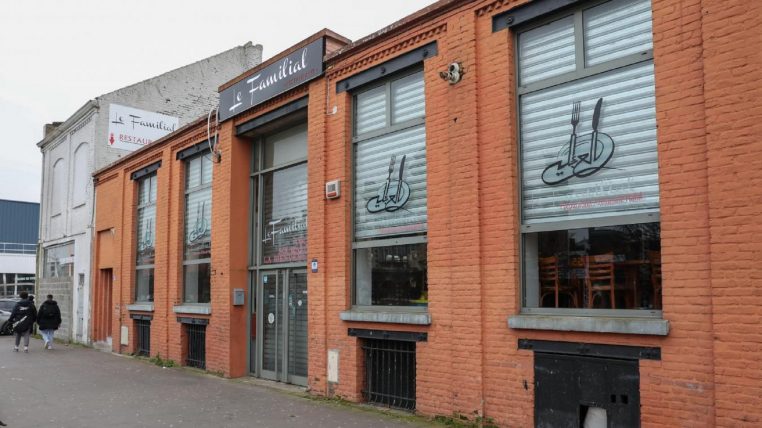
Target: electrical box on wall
(124,336)
(333,189)
(238,297)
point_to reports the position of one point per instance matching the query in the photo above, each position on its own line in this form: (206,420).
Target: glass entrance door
(297,327)
(282,325)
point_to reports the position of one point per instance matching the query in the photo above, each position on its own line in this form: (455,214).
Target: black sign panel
(299,67)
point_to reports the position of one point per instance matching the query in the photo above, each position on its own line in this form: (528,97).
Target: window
(11,284)
(59,187)
(390,221)
(284,196)
(390,373)
(198,229)
(143,334)
(59,261)
(146,229)
(589,171)
(195,350)
(81,175)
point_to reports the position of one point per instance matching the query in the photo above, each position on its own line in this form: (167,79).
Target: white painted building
(96,135)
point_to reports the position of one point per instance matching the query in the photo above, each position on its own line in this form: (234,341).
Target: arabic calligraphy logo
(147,242)
(394,194)
(584,155)
(200,229)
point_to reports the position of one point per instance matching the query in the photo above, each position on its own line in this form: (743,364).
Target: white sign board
(130,128)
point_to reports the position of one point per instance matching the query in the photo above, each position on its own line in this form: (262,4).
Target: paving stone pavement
(77,387)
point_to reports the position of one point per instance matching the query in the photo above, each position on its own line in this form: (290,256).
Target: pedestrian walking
(48,319)
(22,319)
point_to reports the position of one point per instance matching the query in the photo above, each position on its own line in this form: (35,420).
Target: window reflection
(608,267)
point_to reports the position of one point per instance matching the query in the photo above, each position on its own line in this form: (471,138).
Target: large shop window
(284,196)
(390,220)
(198,229)
(589,172)
(59,261)
(145,257)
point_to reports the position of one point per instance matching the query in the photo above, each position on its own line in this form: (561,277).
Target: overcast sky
(55,55)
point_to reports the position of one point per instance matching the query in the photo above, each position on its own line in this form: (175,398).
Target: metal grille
(196,356)
(390,373)
(143,332)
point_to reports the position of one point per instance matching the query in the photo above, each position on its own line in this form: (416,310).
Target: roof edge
(425,14)
(79,114)
(248,44)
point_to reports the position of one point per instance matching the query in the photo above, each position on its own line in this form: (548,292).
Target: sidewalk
(76,387)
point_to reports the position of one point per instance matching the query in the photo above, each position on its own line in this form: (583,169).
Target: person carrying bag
(22,319)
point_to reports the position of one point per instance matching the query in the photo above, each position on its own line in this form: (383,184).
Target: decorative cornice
(191,139)
(497,5)
(409,43)
(140,163)
(97,181)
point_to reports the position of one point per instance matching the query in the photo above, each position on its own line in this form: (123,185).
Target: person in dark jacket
(49,319)
(22,319)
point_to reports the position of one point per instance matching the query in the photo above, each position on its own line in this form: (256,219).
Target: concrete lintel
(417,318)
(646,326)
(203,309)
(142,307)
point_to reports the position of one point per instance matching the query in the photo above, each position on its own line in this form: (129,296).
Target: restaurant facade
(518,212)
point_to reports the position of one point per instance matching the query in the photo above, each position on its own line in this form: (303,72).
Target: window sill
(198,309)
(645,326)
(387,316)
(142,307)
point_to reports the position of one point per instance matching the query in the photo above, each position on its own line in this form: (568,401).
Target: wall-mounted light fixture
(453,74)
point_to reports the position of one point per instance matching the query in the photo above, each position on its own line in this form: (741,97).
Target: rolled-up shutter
(146,230)
(616,29)
(408,99)
(284,229)
(370,110)
(627,181)
(198,224)
(380,159)
(198,208)
(547,51)
(391,164)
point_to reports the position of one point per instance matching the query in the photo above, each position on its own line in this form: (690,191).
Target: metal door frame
(290,377)
(280,289)
(282,286)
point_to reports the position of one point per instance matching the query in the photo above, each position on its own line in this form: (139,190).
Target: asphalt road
(78,387)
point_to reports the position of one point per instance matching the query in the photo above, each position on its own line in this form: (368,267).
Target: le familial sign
(298,67)
(130,128)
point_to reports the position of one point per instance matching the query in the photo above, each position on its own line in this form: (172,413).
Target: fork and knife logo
(393,194)
(584,155)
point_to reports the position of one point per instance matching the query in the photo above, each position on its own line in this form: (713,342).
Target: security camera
(453,74)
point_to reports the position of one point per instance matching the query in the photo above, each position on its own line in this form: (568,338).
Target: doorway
(280,314)
(102,320)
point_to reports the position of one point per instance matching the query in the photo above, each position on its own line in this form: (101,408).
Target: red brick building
(527,212)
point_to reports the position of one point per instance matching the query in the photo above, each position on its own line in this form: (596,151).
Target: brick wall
(61,289)
(733,106)
(707,106)
(470,364)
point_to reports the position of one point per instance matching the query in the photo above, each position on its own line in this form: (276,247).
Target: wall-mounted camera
(453,74)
